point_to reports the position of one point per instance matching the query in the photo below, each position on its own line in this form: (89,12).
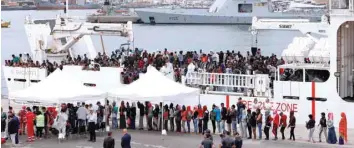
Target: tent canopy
(154,86)
(58,87)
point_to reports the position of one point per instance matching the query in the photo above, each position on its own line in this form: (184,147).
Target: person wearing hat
(323,128)
(23,120)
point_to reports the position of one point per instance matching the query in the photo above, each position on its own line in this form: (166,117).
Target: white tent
(154,86)
(58,87)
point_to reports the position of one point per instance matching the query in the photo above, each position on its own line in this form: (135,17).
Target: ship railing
(252,85)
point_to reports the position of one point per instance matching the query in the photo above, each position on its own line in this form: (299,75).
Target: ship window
(291,75)
(63,41)
(317,99)
(20,80)
(312,75)
(245,8)
(35,81)
(90,84)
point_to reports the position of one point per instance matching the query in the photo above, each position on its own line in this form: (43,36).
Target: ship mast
(66,8)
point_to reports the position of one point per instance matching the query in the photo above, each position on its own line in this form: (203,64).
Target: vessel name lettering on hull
(278,106)
(322,31)
(174,18)
(24,72)
(285,26)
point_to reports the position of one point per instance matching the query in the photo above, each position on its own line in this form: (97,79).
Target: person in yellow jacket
(39,124)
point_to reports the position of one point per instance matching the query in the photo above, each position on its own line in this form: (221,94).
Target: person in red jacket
(283,124)
(275,125)
(30,129)
(200,118)
(23,120)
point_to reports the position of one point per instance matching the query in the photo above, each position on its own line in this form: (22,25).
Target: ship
(304,94)
(112,14)
(232,12)
(46,5)
(11,6)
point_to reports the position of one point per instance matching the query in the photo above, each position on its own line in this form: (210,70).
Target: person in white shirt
(61,125)
(215,58)
(81,118)
(92,119)
(24,58)
(268,108)
(255,104)
(91,65)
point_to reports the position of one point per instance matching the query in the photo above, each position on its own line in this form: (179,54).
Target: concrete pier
(153,139)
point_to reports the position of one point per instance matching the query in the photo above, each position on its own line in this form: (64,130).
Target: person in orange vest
(343,129)
(283,124)
(275,125)
(30,127)
(23,120)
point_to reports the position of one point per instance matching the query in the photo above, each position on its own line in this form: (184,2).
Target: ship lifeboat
(304,47)
(320,53)
(5,24)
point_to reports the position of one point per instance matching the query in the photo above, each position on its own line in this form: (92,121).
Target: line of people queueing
(179,116)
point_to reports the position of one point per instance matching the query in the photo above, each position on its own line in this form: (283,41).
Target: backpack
(189,115)
(213,115)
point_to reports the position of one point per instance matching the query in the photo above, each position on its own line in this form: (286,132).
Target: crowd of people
(236,120)
(136,62)
(234,123)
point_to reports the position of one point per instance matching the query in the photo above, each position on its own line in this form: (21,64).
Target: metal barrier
(259,83)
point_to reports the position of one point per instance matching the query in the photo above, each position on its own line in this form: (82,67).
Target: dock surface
(153,139)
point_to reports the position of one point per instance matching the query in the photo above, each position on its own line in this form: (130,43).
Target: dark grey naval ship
(233,12)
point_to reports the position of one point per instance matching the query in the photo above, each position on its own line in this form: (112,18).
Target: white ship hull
(109,78)
(151,16)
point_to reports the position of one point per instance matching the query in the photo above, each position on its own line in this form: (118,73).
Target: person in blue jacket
(218,118)
(125,139)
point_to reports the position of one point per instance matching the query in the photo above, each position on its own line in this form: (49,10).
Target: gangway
(253,85)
